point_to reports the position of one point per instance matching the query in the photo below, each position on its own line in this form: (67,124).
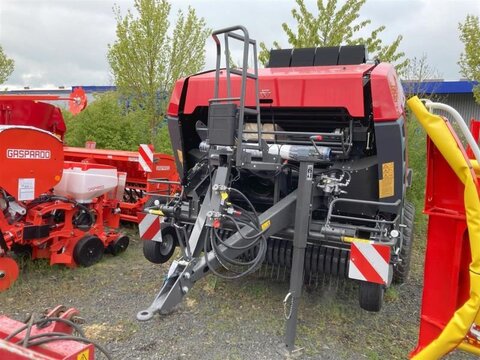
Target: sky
(65,42)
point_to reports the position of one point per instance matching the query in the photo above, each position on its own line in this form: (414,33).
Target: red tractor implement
(53,209)
(147,173)
(66,212)
(299,166)
(140,169)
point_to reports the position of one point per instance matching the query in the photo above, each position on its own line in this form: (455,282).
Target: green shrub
(109,123)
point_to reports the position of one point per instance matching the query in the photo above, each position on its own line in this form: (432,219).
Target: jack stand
(302,218)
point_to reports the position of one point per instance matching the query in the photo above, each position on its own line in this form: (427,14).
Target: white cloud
(64,42)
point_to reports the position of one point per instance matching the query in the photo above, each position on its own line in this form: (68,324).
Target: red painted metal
(55,350)
(29,110)
(8,272)
(388,98)
(447,257)
(137,181)
(475,130)
(30,113)
(77,99)
(320,86)
(29,153)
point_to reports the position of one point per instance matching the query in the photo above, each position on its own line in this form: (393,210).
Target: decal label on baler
(386,186)
(26,189)
(84,355)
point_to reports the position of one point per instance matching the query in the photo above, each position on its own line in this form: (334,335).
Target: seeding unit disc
(8,272)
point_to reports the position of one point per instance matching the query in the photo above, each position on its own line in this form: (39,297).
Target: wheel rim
(91,252)
(166,245)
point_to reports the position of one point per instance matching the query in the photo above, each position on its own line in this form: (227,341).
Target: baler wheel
(88,251)
(119,245)
(159,252)
(371,296)
(401,270)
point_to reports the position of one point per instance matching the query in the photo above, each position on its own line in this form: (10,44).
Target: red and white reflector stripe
(369,262)
(150,227)
(145,157)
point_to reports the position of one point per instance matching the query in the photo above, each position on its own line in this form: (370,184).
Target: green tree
(6,66)
(334,26)
(416,72)
(470,58)
(146,60)
(109,123)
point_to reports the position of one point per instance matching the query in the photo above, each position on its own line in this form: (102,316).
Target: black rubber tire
(160,252)
(402,269)
(88,251)
(119,245)
(371,296)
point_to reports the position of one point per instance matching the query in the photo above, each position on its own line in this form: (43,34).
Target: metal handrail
(460,122)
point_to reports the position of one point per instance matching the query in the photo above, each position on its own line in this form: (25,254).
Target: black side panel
(364,174)
(36,232)
(222,124)
(175,130)
(280,58)
(326,56)
(352,55)
(390,142)
(302,57)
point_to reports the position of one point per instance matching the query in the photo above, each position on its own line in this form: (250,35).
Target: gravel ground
(219,319)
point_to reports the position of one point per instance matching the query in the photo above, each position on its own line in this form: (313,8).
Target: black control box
(222,124)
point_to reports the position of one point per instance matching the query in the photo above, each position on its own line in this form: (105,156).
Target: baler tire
(159,252)
(402,269)
(88,251)
(371,296)
(119,245)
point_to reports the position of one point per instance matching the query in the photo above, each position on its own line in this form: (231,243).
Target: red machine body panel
(340,86)
(388,98)
(126,161)
(34,159)
(38,114)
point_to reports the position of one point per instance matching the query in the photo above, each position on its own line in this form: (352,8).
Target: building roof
(439,87)
(95,88)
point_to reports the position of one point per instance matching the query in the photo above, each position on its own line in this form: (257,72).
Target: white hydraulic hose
(459,120)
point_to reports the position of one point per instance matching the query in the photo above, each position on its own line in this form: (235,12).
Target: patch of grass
(392,294)
(417,154)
